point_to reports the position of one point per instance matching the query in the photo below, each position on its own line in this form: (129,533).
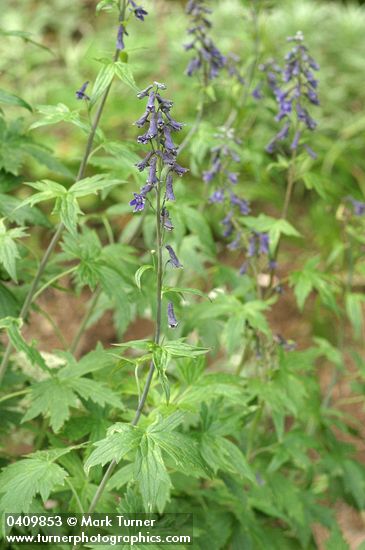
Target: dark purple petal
(80,94)
(138,202)
(169,188)
(263,243)
(173,258)
(171,315)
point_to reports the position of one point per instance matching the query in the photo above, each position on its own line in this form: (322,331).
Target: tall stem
(146,389)
(52,245)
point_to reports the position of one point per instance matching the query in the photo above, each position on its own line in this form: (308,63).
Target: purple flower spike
(169,188)
(173,258)
(294,87)
(80,94)
(138,202)
(171,315)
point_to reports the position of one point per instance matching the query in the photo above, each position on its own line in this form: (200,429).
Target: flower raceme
(225,178)
(295,89)
(160,163)
(207,59)
(159,126)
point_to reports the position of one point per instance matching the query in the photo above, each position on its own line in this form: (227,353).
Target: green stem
(342,327)
(146,389)
(253,430)
(85,320)
(51,321)
(53,280)
(74,492)
(15,394)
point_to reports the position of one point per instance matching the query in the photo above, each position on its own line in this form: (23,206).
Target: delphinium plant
(210,411)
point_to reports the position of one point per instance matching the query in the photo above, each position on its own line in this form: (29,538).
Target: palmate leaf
(151,473)
(54,397)
(184,452)
(23,214)
(310,278)
(53,114)
(221,453)
(115,446)
(66,204)
(22,481)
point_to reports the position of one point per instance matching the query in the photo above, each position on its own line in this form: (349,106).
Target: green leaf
(123,476)
(92,185)
(106,5)
(124,73)
(179,290)
(179,348)
(13,327)
(115,446)
(47,190)
(22,481)
(139,273)
(273,226)
(197,224)
(310,278)
(184,452)
(69,211)
(11,207)
(11,99)
(53,399)
(354,311)
(336,540)
(96,392)
(161,360)
(221,453)
(151,473)
(53,114)
(103,80)
(9,306)
(8,249)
